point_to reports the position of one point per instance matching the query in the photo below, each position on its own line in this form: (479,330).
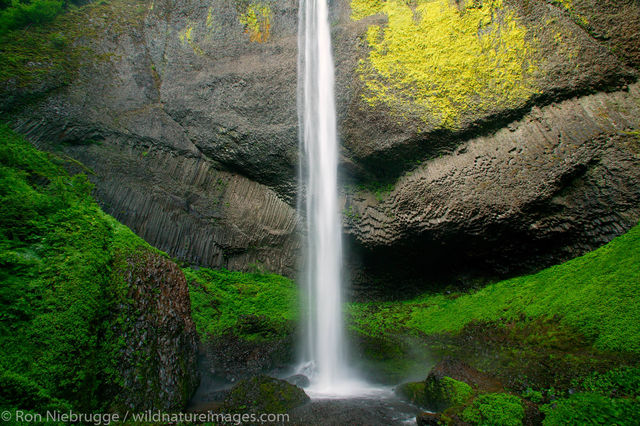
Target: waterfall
(325,347)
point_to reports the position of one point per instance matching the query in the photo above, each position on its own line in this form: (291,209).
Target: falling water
(325,346)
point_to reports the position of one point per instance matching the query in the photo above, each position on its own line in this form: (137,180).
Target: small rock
(299,380)
(428,419)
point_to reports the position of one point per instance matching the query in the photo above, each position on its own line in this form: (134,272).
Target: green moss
(58,282)
(250,305)
(533,395)
(457,391)
(264,395)
(441,394)
(495,409)
(621,381)
(592,408)
(436,60)
(597,294)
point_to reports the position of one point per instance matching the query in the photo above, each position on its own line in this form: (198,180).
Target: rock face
(183,119)
(558,183)
(480,139)
(157,365)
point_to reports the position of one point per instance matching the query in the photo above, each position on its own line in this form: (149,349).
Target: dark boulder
(157,364)
(262,394)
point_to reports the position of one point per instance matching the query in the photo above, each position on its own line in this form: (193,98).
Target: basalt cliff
(480,139)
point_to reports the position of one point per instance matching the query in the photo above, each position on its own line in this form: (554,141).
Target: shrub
(592,408)
(495,409)
(19,14)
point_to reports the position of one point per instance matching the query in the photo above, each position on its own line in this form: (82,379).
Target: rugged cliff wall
(473,131)
(184,117)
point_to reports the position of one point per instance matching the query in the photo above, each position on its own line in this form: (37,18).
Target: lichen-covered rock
(450,383)
(262,394)
(157,360)
(560,182)
(183,111)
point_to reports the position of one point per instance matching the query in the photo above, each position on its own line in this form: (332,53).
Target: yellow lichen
(363,8)
(438,60)
(186,37)
(568,5)
(257,21)
(209,21)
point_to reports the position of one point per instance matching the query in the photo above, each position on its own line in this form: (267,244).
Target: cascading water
(325,347)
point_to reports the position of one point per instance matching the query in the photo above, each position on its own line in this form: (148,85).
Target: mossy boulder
(262,394)
(436,394)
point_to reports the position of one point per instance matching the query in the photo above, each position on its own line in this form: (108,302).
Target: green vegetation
(262,394)
(457,391)
(435,59)
(597,294)
(446,392)
(495,409)
(592,408)
(606,398)
(622,381)
(61,281)
(249,305)
(43,57)
(19,14)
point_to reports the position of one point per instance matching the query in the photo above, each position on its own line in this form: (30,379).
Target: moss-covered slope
(77,288)
(597,294)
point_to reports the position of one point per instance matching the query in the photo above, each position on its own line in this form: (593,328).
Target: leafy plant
(592,408)
(495,409)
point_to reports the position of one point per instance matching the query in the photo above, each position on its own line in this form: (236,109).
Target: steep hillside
(92,317)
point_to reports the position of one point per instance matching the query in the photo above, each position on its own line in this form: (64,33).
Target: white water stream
(325,353)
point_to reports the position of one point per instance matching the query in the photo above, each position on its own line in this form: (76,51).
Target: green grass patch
(60,283)
(597,294)
(249,305)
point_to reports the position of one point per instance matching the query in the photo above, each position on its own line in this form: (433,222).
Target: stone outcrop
(157,362)
(501,139)
(560,182)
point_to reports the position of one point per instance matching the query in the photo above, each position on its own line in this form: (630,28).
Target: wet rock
(230,358)
(428,419)
(157,362)
(459,370)
(262,394)
(563,182)
(299,380)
